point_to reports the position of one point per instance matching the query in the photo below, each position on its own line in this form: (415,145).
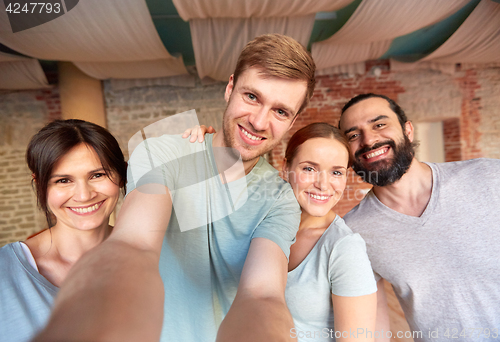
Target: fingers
(201,134)
(186,133)
(198,133)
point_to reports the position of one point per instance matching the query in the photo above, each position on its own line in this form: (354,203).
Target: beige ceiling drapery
(220,28)
(335,54)
(21,73)
(476,41)
(127,70)
(350,69)
(202,9)
(217,43)
(119,33)
(372,27)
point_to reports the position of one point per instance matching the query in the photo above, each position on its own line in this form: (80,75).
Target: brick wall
(451,135)
(130,110)
(22,114)
(488,95)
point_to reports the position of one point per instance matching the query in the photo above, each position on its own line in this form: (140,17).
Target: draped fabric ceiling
(144,39)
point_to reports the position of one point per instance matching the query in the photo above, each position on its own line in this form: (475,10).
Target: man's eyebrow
(380,117)
(350,130)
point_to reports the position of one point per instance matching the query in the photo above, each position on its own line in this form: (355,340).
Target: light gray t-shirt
(337,264)
(444,265)
(210,229)
(26,297)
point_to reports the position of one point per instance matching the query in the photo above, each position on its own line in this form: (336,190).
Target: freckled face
(80,192)
(317,175)
(260,111)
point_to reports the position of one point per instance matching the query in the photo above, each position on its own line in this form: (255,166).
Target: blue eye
(308,169)
(281,112)
(252,97)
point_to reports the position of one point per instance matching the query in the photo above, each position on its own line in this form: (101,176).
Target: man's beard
(385,172)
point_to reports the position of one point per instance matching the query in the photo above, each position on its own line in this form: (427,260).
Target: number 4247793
(34,7)
(471,332)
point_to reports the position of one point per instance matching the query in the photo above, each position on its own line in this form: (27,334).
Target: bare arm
(383,323)
(355,314)
(114,292)
(259,311)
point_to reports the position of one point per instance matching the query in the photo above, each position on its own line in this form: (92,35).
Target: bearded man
(431,230)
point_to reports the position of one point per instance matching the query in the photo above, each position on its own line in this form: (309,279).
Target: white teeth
(253,137)
(86,210)
(376,153)
(322,198)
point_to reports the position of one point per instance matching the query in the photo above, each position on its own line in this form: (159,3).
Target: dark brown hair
(314,130)
(392,104)
(56,139)
(279,56)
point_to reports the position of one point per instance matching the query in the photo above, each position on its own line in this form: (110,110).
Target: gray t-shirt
(210,229)
(26,297)
(337,264)
(444,265)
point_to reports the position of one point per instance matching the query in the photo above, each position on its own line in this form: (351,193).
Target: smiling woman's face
(317,174)
(81,194)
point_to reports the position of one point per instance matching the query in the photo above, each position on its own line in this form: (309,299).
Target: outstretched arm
(383,322)
(354,317)
(259,311)
(114,292)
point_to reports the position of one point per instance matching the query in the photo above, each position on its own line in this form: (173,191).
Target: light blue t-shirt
(337,264)
(26,297)
(210,229)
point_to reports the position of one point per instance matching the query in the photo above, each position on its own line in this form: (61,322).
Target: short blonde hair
(280,56)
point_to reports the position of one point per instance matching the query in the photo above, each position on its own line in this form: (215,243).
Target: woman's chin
(317,212)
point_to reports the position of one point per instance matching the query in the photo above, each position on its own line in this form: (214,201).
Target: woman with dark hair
(78,169)
(331,289)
